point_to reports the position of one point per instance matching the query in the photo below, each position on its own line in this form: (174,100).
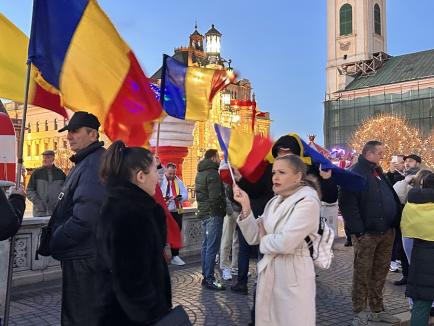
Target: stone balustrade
(27,269)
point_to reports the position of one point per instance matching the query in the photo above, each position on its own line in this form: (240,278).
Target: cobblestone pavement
(40,304)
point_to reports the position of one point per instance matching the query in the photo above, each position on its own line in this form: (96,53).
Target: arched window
(346,19)
(377,19)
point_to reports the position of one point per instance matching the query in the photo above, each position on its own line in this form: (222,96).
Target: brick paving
(40,304)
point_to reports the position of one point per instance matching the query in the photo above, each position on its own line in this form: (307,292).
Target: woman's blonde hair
(298,166)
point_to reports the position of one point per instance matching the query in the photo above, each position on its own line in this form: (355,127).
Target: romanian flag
(80,54)
(244,151)
(13,58)
(344,178)
(188,91)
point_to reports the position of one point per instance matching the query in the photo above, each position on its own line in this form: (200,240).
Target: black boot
(348,243)
(239,288)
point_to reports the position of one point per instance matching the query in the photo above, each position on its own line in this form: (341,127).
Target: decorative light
(397,136)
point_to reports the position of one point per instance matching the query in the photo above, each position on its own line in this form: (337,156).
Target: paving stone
(40,304)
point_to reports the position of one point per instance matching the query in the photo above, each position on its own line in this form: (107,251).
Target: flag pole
(162,94)
(232,173)
(17,185)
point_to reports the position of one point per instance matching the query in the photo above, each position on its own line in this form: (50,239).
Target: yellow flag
(13,57)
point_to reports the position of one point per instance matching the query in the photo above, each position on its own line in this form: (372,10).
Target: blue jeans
(212,227)
(420,313)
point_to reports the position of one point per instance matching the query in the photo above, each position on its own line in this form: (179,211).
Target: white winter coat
(285,292)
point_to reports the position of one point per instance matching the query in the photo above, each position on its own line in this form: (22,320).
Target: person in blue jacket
(74,218)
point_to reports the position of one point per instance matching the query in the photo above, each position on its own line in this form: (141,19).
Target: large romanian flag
(346,179)
(188,91)
(80,54)
(13,57)
(245,151)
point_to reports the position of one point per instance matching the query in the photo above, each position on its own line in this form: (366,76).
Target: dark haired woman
(134,283)
(285,294)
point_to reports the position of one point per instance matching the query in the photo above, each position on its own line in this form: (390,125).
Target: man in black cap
(72,241)
(45,185)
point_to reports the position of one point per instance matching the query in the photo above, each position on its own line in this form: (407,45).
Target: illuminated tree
(62,160)
(393,131)
(428,151)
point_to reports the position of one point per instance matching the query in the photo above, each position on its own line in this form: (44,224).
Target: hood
(421,196)
(207,164)
(287,141)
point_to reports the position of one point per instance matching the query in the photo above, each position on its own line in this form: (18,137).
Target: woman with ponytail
(134,282)
(285,293)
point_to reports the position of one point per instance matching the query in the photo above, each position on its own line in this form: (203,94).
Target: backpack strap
(309,245)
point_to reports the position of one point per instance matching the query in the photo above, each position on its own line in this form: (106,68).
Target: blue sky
(279,45)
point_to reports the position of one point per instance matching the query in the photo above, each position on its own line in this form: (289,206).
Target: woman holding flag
(286,275)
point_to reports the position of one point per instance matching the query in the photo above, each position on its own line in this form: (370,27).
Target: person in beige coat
(286,277)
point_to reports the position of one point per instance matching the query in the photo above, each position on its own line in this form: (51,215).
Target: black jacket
(210,194)
(259,192)
(133,277)
(394,177)
(11,214)
(364,211)
(420,283)
(329,189)
(76,212)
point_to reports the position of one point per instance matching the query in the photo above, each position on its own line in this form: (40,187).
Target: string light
(397,136)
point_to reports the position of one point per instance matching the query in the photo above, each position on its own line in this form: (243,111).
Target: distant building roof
(181,56)
(196,33)
(407,67)
(214,31)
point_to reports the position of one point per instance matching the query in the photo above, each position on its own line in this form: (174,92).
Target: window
(37,129)
(29,150)
(29,129)
(377,19)
(346,19)
(55,124)
(46,125)
(36,149)
(55,145)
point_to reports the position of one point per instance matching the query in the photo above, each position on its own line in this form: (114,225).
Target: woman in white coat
(285,293)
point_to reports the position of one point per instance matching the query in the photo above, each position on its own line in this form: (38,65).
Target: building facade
(363,80)
(235,106)
(184,142)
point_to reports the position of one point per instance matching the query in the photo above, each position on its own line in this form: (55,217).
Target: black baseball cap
(414,157)
(82,119)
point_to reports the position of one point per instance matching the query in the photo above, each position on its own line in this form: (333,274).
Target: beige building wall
(357,46)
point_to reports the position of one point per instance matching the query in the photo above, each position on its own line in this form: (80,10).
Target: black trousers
(399,253)
(178,219)
(78,292)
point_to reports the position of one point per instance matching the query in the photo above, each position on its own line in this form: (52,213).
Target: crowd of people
(109,232)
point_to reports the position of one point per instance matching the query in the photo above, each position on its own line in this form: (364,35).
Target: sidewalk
(40,304)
